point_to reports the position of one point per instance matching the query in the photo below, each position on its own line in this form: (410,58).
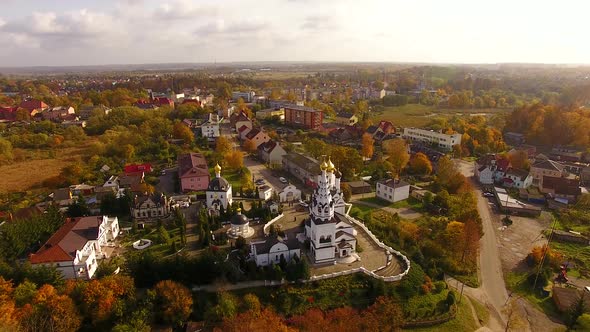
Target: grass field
(464,321)
(416,115)
(28,174)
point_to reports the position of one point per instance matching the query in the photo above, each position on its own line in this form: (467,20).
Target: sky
(99,32)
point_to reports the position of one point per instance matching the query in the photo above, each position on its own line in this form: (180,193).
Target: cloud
(184,10)
(319,22)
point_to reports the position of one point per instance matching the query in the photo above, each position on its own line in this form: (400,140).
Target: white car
(283,180)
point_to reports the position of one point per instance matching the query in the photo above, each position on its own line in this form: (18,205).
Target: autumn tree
(50,311)
(223,145)
(173,302)
(398,154)
(250,146)
(420,164)
(235,159)
(249,321)
(181,131)
(8,313)
(346,191)
(384,315)
(519,159)
(367,149)
(447,175)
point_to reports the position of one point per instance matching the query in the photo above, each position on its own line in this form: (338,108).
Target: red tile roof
(136,168)
(33,104)
(192,164)
(72,236)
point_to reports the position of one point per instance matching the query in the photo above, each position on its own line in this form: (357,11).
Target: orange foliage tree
(8,312)
(249,321)
(368,145)
(420,164)
(50,311)
(173,302)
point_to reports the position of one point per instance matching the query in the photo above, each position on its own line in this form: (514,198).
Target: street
(259,171)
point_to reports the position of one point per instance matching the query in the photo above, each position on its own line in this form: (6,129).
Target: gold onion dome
(324,166)
(331,167)
(217,168)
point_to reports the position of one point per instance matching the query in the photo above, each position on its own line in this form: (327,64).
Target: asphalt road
(259,171)
(490,266)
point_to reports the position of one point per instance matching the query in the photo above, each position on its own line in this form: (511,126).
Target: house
(271,152)
(303,117)
(193,172)
(257,136)
(238,120)
(132,169)
(303,168)
(243,131)
(33,106)
(345,134)
(162,101)
(585,176)
(290,194)
(517,178)
(564,188)
(57,113)
(226,112)
(566,153)
(271,250)
(270,113)
(445,141)
(491,168)
(78,243)
(85,112)
(392,190)
(566,298)
(347,119)
(132,182)
(210,128)
(8,114)
(63,197)
(380,131)
(359,187)
(264,192)
(248,97)
(547,168)
(513,138)
(150,207)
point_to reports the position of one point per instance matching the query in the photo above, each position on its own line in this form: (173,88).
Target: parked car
(259,182)
(283,180)
(488,195)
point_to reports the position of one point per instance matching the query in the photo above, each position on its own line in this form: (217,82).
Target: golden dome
(331,167)
(324,166)
(217,168)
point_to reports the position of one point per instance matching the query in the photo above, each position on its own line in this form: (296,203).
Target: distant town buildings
(303,117)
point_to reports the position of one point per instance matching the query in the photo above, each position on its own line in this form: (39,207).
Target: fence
(267,225)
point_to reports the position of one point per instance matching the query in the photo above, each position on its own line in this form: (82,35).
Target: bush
(450,299)
(439,286)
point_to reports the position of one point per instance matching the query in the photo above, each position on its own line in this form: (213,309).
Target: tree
(235,159)
(447,175)
(252,303)
(249,321)
(384,315)
(173,302)
(225,309)
(8,313)
(519,159)
(181,131)
(420,164)
(398,154)
(367,149)
(250,146)
(78,209)
(583,323)
(346,191)
(50,311)
(223,145)
(6,155)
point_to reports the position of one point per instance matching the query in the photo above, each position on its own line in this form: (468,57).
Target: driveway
(259,171)
(168,181)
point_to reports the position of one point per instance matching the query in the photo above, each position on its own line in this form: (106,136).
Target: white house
(331,235)
(247,96)
(264,192)
(485,174)
(271,153)
(393,190)
(271,250)
(210,128)
(219,192)
(433,137)
(150,207)
(75,247)
(289,194)
(517,178)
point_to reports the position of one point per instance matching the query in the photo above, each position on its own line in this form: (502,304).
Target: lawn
(483,314)
(411,203)
(577,254)
(416,115)
(516,282)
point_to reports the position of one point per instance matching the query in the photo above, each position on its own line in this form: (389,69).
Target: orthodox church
(331,235)
(218,193)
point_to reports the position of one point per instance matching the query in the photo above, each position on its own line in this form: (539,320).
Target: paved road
(490,266)
(258,170)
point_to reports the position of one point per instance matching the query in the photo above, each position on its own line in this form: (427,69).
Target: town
(257,166)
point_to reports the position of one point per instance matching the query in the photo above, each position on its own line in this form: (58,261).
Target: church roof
(264,247)
(218,184)
(239,219)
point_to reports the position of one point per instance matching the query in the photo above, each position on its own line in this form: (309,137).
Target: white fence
(266,227)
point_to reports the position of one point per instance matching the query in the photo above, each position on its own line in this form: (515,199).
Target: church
(219,193)
(331,235)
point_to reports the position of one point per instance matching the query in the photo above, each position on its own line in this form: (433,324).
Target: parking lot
(260,171)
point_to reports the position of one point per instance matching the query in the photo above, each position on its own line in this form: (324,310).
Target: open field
(28,174)
(416,115)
